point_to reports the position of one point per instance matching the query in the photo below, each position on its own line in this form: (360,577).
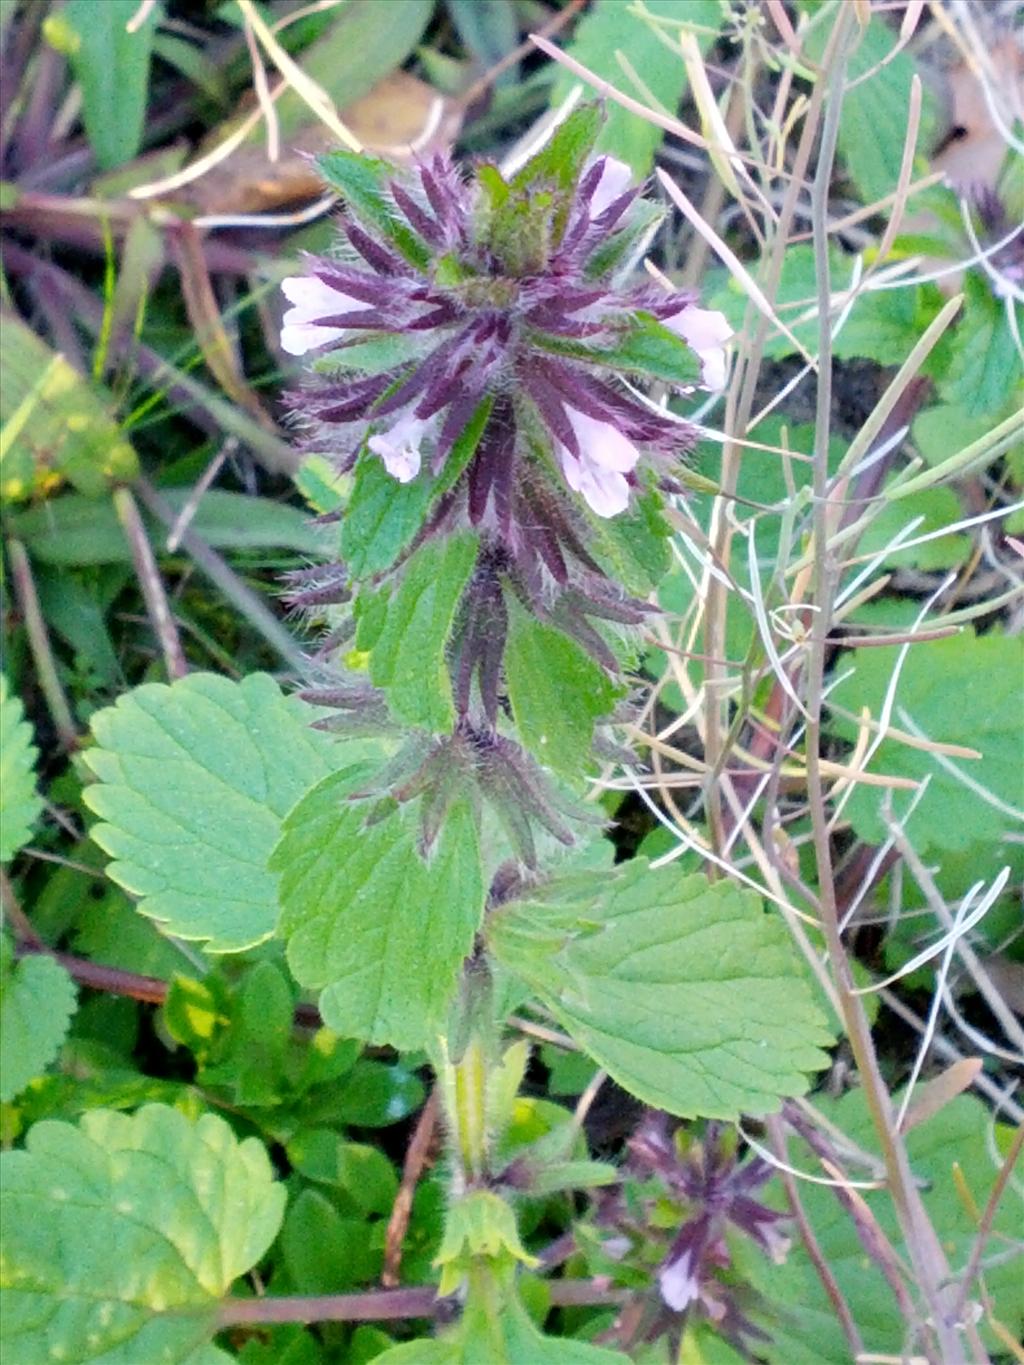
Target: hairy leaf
(37,1000)
(963,690)
(122,1234)
(20,803)
(556,692)
(193,781)
(408,658)
(362,182)
(684,990)
(377,930)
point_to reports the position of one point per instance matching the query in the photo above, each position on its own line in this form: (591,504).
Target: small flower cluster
(477,338)
(704,1178)
(494,319)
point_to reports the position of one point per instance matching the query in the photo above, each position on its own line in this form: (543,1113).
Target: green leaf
(54,422)
(943,430)
(362,183)
(935,508)
(122,1234)
(646,347)
(37,1000)
(556,690)
(612,27)
(684,990)
(325,1253)
(948,1153)
(20,803)
(377,930)
(80,530)
(381,518)
(563,156)
(985,375)
(489,29)
(408,659)
(963,690)
(112,67)
(873,124)
(193,781)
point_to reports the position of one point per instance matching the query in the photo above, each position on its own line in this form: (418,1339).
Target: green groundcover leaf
(193,781)
(378,930)
(79,530)
(121,1235)
(952,1150)
(684,990)
(963,690)
(112,67)
(611,40)
(54,422)
(37,1000)
(408,658)
(20,803)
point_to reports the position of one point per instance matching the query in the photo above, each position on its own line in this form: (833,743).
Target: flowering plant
(479,354)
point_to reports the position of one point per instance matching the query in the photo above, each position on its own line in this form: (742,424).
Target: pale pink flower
(313,299)
(706,332)
(606,456)
(399,447)
(616,178)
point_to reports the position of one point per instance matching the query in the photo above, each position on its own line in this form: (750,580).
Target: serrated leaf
(963,690)
(381,933)
(111,65)
(20,803)
(684,990)
(985,374)
(408,658)
(556,691)
(610,28)
(948,1153)
(362,183)
(37,1000)
(122,1234)
(193,781)
(873,124)
(55,424)
(79,530)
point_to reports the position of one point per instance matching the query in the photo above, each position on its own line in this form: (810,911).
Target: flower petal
(616,179)
(313,299)
(602,444)
(399,448)
(706,332)
(605,490)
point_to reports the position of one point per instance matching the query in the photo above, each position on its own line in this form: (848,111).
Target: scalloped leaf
(194,779)
(37,1000)
(684,990)
(20,803)
(378,930)
(122,1234)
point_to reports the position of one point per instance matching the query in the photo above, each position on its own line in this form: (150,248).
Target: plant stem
(930,1267)
(39,644)
(150,582)
(382,1305)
